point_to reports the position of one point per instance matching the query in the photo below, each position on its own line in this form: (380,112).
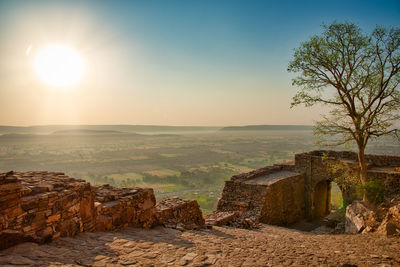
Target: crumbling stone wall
(41,206)
(390,178)
(315,165)
(179,214)
(239,196)
(306,195)
(119,207)
(276,201)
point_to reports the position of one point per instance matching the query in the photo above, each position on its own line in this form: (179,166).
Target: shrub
(342,208)
(373,189)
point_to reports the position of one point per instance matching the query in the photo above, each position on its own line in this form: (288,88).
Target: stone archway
(321,199)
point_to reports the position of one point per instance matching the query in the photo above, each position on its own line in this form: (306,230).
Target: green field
(192,165)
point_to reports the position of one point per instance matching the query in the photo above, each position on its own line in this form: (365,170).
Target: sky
(198,63)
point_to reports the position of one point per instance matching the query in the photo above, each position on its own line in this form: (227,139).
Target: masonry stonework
(41,206)
(287,193)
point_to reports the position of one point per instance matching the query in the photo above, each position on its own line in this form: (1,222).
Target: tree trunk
(363,166)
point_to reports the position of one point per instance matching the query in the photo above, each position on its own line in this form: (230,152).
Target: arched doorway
(336,197)
(321,199)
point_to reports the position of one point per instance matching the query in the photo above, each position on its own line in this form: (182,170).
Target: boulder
(391,223)
(358,217)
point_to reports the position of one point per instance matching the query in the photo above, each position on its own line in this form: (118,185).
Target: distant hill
(268,128)
(82,133)
(155,129)
(140,129)
(88,132)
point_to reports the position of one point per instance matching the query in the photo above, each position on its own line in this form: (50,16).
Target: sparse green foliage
(343,176)
(373,189)
(342,208)
(357,75)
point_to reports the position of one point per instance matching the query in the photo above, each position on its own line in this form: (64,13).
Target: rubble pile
(245,222)
(179,214)
(384,219)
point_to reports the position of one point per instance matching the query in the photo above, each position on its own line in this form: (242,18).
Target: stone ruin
(41,206)
(284,194)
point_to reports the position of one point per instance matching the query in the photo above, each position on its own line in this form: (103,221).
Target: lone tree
(357,76)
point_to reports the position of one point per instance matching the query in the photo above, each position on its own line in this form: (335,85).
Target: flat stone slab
(272,177)
(221,246)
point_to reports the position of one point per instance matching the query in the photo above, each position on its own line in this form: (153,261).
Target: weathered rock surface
(219,218)
(40,206)
(390,218)
(118,207)
(221,246)
(384,219)
(357,215)
(179,214)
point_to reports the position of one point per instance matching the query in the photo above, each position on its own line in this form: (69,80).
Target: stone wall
(238,196)
(279,202)
(179,214)
(391,180)
(283,203)
(41,206)
(119,207)
(375,160)
(306,195)
(315,165)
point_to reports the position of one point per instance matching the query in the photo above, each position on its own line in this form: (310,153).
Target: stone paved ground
(221,246)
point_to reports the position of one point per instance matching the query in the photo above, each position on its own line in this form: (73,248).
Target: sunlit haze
(205,63)
(58,65)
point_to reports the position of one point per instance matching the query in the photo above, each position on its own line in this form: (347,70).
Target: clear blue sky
(207,62)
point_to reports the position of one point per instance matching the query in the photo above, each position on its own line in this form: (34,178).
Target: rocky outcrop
(389,214)
(359,217)
(179,214)
(384,219)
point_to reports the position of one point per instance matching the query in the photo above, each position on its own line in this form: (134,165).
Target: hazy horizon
(181,63)
(164,125)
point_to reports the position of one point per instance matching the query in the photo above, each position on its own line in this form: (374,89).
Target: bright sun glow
(59,65)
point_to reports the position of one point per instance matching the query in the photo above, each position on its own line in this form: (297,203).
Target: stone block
(175,212)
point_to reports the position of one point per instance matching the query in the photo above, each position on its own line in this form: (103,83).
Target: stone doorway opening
(321,199)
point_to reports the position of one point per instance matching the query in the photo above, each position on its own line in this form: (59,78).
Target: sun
(58,65)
